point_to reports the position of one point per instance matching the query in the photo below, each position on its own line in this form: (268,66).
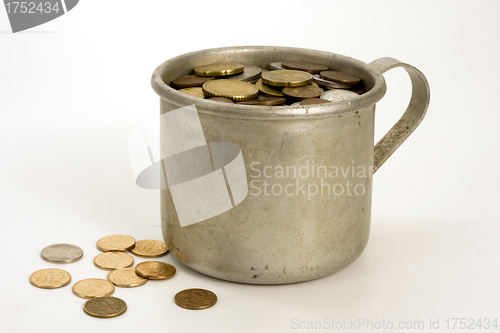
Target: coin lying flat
(105,307)
(307,91)
(250,73)
(338,95)
(90,288)
(287,78)
(275,66)
(265,101)
(50,278)
(221,99)
(195,299)
(188,81)
(115,243)
(126,278)
(304,66)
(340,77)
(312,101)
(194,91)
(268,90)
(149,248)
(330,84)
(62,253)
(221,69)
(234,90)
(113,260)
(358,90)
(155,270)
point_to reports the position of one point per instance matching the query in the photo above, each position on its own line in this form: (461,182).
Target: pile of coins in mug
(100,303)
(286,83)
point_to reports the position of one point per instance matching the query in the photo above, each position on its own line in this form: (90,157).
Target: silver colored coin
(62,253)
(327,83)
(262,71)
(275,65)
(295,104)
(338,95)
(250,73)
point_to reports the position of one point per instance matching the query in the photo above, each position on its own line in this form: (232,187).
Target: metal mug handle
(413,115)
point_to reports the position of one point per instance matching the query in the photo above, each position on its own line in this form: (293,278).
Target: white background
(73,89)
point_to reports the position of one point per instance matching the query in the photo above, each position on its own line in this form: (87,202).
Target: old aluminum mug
(307,212)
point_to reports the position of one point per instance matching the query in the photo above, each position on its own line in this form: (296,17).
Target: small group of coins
(114,259)
(293,83)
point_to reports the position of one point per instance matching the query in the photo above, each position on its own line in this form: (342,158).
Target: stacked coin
(101,304)
(286,83)
(114,259)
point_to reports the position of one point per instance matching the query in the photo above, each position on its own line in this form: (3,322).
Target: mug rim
(241,111)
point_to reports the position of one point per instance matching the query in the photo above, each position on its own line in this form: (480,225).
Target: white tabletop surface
(73,89)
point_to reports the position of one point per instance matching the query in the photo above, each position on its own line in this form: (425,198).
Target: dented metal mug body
(308,170)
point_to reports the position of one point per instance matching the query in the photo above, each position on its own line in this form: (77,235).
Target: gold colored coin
(268,90)
(126,278)
(113,260)
(149,248)
(287,78)
(90,288)
(105,307)
(50,278)
(300,93)
(195,91)
(155,270)
(115,243)
(221,69)
(234,90)
(195,299)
